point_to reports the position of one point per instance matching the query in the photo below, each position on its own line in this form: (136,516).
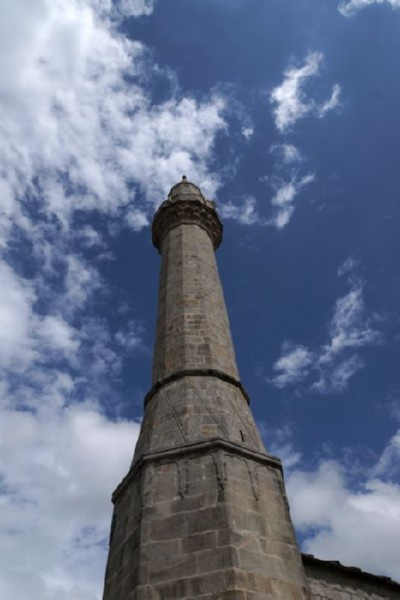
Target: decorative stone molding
(187,451)
(195,373)
(194,211)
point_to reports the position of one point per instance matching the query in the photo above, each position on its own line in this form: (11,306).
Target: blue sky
(287,114)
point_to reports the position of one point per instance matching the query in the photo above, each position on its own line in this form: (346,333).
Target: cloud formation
(56,466)
(289,153)
(283,203)
(351,7)
(290,101)
(285,195)
(56,480)
(330,367)
(343,515)
(79,134)
(245,214)
(78,130)
(358,527)
(293,365)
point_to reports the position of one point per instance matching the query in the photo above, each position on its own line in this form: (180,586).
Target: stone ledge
(195,373)
(196,449)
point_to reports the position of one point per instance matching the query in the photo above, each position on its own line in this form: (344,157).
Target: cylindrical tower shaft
(192,327)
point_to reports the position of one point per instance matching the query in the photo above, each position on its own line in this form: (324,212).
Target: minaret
(202,513)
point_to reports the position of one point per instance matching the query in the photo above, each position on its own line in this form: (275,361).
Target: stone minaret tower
(202,513)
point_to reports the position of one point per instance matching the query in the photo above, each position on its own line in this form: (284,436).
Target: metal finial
(184,178)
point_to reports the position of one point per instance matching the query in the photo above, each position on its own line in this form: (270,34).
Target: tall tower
(202,513)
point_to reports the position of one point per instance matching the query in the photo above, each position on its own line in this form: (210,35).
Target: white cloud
(330,367)
(130,337)
(56,334)
(315,494)
(349,327)
(282,202)
(245,214)
(348,267)
(342,516)
(289,100)
(331,103)
(359,528)
(80,281)
(293,365)
(289,153)
(90,237)
(136,8)
(247,132)
(77,129)
(284,197)
(137,219)
(57,469)
(351,7)
(16,299)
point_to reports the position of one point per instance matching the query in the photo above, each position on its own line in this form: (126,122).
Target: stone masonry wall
(206,525)
(340,584)
(193,410)
(192,324)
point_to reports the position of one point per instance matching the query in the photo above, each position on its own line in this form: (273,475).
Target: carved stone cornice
(194,211)
(188,450)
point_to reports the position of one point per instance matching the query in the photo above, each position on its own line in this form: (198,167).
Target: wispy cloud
(245,214)
(285,195)
(290,101)
(283,204)
(280,443)
(247,132)
(293,365)
(351,7)
(388,464)
(330,367)
(289,153)
(331,103)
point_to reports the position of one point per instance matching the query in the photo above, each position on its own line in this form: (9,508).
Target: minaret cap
(185,190)
(186,204)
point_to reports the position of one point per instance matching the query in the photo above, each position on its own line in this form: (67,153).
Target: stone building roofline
(352,572)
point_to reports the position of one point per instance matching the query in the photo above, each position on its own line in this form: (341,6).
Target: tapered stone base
(204,521)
